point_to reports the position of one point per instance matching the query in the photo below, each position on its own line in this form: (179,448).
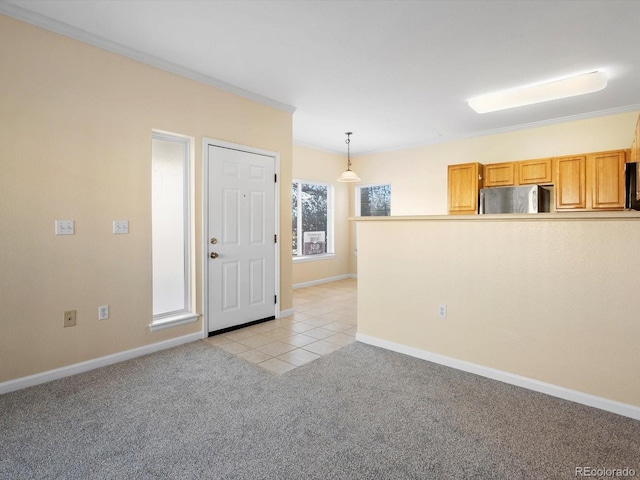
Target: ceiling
(396,73)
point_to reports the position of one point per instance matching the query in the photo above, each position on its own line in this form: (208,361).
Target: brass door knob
(213,255)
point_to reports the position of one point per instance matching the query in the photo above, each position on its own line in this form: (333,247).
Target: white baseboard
(324,280)
(620,408)
(38,378)
(285,313)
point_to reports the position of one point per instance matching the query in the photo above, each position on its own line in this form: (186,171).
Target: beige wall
(319,166)
(75,143)
(553,301)
(418,176)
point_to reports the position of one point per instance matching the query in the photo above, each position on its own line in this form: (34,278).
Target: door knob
(213,255)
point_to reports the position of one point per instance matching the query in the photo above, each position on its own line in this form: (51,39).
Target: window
(373,201)
(171,230)
(312,212)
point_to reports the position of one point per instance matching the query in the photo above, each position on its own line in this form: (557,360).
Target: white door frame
(205,221)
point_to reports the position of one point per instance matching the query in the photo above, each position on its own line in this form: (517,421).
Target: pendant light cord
(348,141)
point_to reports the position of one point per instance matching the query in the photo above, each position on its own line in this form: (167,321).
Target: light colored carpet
(197,412)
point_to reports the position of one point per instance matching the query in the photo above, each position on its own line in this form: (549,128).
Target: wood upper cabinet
(637,137)
(464,182)
(526,172)
(607,180)
(532,172)
(590,182)
(571,182)
(500,174)
(635,146)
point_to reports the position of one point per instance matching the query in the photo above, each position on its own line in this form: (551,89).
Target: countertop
(630,215)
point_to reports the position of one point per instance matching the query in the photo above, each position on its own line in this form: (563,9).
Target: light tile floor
(324,321)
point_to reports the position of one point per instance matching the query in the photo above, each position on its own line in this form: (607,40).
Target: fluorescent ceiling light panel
(543,92)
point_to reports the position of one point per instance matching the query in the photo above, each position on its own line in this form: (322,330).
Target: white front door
(241,237)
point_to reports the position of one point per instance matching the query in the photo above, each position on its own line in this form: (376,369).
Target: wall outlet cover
(103,312)
(70,318)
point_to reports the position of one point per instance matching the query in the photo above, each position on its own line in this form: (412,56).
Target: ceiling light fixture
(543,92)
(348,175)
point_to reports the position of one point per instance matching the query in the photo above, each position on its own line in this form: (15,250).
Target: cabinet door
(635,146)
(607,180)
(571,179)
(638,140)
(534,171)
(464,185)
(499,174)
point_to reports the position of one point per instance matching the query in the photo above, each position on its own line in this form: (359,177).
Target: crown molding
(75,33)
(512,128)
(319,148)
(484,133)
(554,121)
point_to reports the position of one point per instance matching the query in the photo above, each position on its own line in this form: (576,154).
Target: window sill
(314,258)
(173,321)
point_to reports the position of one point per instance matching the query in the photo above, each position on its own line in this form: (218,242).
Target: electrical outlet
(103,312)
(442,311)
(70,318)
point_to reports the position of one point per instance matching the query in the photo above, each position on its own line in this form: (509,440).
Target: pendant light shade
(348,175)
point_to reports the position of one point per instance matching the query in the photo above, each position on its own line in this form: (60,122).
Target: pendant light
(348,175)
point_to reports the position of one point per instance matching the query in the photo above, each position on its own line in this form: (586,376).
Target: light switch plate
(120,227)
(65,227)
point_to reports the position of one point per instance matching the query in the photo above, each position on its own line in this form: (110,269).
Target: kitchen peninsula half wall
(544,301)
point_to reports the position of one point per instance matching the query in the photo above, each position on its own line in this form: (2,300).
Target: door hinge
(275,177)
(275,299)
(275,238)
